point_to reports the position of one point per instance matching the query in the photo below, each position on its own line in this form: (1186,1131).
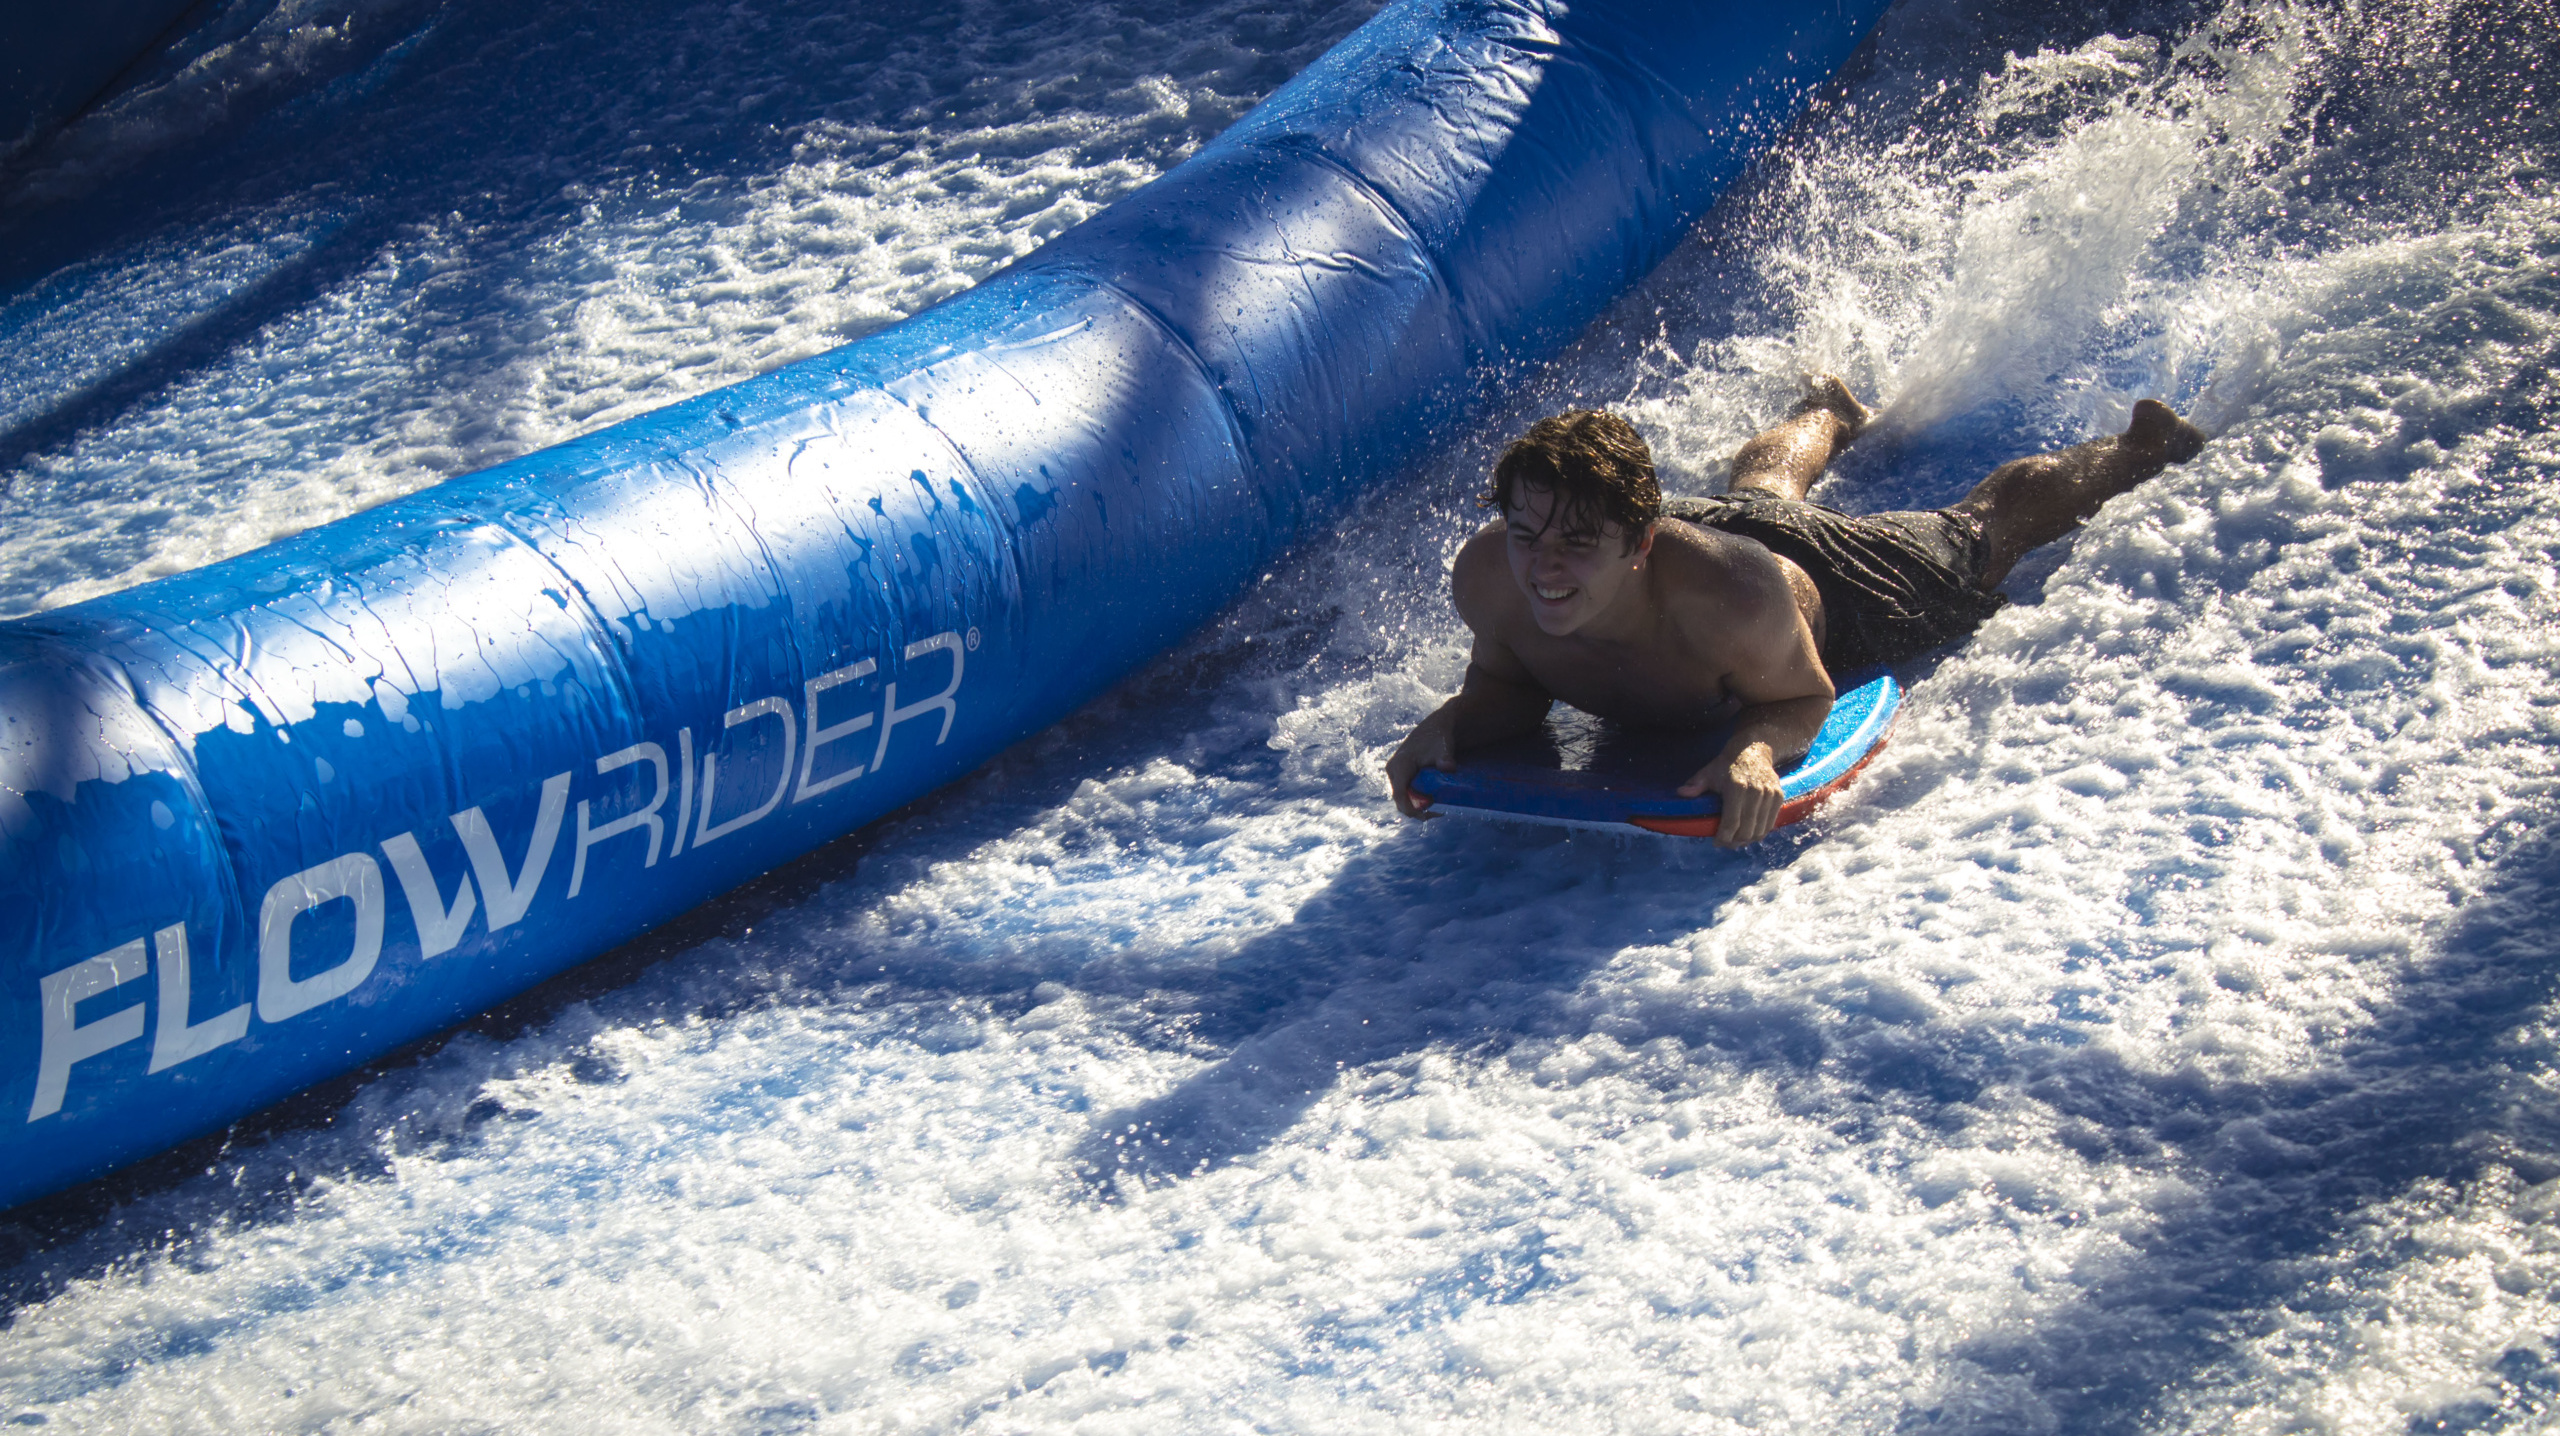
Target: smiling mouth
(1552,595)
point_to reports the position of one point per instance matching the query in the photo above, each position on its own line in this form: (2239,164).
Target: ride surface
(1590,774)
(261,822)
(54,58)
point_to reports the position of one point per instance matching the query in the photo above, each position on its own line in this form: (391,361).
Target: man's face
(1569,578)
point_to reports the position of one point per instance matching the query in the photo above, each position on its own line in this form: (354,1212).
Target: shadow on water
(1464,937)
(2441,1088)
(1472,938)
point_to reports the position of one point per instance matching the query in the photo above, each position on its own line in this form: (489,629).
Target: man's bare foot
(2158,436)
(1831,392)
(1787,459)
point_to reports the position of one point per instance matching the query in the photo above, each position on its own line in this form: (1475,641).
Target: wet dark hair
(1596,465)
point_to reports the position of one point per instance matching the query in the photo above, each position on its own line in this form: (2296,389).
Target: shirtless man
(1744,606)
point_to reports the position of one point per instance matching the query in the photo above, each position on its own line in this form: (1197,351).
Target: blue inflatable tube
(264,821)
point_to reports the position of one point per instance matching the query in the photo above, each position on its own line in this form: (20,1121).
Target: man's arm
(1499,698)
(1490,707)
(1776,673)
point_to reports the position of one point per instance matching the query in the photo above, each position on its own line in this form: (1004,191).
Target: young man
(1744,607)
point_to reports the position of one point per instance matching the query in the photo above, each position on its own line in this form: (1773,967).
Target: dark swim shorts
(1893,585)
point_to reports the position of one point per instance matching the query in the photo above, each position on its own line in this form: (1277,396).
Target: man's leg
(2028,503)
(1787,459)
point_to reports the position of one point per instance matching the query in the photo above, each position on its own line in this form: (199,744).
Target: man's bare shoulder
(1480,581)
(1724,592)
(1719,577)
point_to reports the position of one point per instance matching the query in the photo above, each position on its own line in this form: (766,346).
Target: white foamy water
(2160,1038)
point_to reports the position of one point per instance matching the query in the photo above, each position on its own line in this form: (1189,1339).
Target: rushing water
(2164,1036)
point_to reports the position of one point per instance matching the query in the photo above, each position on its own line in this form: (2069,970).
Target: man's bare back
(1576,593)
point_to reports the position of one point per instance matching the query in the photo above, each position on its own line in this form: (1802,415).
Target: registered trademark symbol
(972,640)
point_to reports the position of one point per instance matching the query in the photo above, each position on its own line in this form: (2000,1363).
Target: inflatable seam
(745,520)
(1380,198)
(611,654)
(1015,558)
(1596,56)
(184,754)
(1199,366)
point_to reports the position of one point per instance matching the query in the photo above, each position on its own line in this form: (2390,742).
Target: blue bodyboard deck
(1582,772)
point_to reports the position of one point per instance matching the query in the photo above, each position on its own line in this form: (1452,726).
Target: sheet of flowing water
(2162,1037)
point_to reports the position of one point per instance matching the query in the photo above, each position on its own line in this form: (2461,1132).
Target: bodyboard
(1584,772)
